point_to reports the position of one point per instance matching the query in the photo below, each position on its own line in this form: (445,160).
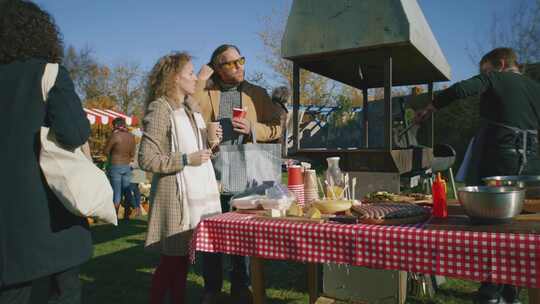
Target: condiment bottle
(438,189)
(334,179)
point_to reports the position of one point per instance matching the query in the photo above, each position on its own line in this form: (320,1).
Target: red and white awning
(105,116)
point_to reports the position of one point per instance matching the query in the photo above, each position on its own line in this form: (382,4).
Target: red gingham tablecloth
(480,256)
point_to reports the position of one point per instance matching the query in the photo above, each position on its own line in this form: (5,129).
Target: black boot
(510,294)
(214,298)
(489,293)
(241,295)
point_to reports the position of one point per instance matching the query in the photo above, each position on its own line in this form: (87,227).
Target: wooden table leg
(313,282)
(257,280)
(534,295)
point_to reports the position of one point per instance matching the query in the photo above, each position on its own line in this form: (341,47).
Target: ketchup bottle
(438,190)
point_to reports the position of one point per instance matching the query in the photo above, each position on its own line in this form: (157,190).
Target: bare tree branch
(518,29)
(314,88)
(127,86)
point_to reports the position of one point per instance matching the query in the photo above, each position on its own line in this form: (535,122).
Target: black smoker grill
(365,44)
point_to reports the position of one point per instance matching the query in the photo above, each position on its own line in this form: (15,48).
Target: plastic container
(334,179)
(279,204)
(246,202)
(277,197)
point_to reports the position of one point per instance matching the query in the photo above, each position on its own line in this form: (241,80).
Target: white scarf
(197,184)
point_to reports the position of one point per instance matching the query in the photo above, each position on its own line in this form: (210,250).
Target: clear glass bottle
(334,179)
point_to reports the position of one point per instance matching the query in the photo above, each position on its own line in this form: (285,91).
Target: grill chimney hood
(348,41)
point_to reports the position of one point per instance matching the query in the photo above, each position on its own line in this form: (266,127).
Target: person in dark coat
(507,141)
(42,244)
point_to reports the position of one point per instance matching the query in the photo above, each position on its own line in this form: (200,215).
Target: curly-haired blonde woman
(184,189)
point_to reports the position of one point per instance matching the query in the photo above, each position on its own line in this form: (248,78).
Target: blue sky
(142,31)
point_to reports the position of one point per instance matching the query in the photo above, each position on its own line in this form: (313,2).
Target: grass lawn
(121,270)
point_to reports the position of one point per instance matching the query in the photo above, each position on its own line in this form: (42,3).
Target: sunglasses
(235,63)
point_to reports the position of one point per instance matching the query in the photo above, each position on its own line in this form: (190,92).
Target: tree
(518,29)
(97,83)
(314,88)
(120,88)
(101,102)
(91,79)
(80,64)
(127,88)
(353,95)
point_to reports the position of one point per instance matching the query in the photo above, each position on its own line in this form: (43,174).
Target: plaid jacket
(165,222)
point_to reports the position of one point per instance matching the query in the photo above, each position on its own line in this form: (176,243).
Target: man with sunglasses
(220,89)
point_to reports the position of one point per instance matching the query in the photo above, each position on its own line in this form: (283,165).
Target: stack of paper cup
(296,183)
(311,191)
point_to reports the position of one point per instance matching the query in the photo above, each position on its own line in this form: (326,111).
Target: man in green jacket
(507,141)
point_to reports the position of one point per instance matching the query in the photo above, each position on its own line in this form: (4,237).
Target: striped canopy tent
(105,117)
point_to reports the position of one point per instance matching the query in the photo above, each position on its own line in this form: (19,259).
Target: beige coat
(261,111)
(165,221)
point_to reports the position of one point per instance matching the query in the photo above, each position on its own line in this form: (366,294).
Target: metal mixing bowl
(531,183)
(486,204)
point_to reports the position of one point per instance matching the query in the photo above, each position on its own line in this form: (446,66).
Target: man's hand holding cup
(239,122)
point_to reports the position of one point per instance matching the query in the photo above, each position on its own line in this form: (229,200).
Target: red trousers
(170,275)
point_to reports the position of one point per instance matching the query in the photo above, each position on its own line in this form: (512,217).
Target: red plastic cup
(295,176)
(239,113)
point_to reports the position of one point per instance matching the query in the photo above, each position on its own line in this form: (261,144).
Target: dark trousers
(212,265)
(60,288)
(497,163)
(213,272)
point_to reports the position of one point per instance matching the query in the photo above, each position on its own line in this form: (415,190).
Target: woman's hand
(219,133)
(205,72)
(198,158)
(215,134)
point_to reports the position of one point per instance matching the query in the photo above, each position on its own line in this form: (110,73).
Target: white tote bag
(81,186)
